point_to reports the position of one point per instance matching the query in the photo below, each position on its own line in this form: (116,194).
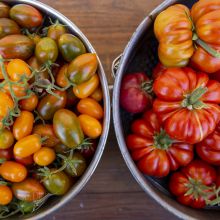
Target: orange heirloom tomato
(6,195)
(17,68)
(97,95)
(27,146)
(23,125)
(90,107)
(61,78)
(29,104)
(6,104)
(6,139)
(86,89)
(13,172)
(45,156)
(90,126)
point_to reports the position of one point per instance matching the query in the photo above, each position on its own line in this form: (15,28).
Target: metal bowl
(56,202)
(141,55)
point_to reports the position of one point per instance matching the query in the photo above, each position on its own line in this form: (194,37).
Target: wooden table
(112,192)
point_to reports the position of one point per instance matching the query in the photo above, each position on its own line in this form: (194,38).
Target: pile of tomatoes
(51,109)
(176,133)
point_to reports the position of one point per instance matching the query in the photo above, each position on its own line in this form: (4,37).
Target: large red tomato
(187,103)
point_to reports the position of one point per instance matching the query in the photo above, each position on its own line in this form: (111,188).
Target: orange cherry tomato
(61,78)
(6,195)
(19,91)
(6,139)
(26,161)
(90,107)
(23,125)
(17,68)
(45,156)
(29,104)
(90,126)
(97,95)
(5,66)
(6,104)
(13,172)
(86,89)
(27,146)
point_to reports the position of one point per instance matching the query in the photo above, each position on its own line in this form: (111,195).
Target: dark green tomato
(58,183)
(8,27)
(70,47)
(78,164)
(26,207)
(55,31)
(82,68)
(46,50)
(67,128)
(4,10)
(61,149)
(16,47)
(49,104)
(26,16)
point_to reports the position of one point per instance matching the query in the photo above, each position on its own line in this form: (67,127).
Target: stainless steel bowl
(56,202)
(141,55)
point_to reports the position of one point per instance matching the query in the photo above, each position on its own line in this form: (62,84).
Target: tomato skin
(198,171)
(50,104)
(13,172)
(90,126)
(82,68)
(90,107)
(16,47)
(26,15)
(6,139)
(44,157)
(172,107)
(4,10)
(61,78)
(6,154)
(86,89)
(23,125)
(29,104)
(70,47)
(97,95)
(6,195)
(26,161)
(22,149)
(46,131)
(67,128)
(6,104)
(133,98)
(19,91)
(8,27)
(29,190)
(55,31)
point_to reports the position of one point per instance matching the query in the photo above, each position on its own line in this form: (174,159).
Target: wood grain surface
(112,192)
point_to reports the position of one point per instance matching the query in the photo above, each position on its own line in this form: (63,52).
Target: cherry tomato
(23,125)
(27,146)
(56,30)
(61,78)
(29,190)
(86,89)
(8,27)
(97,95)
(88,151)
(71,98)
(13,172)
(61,149)
(6,139)
(50,104)
(6,154)
(19,91)
(46,130)
(26,161)
(4,10)
(90,126)
(58,183)
(29,104)
(5,68)
(90,107)
(6,195)
(44,157)
(6,104)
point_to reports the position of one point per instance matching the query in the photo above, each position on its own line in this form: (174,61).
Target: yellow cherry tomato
(6,104)
(61,78)
(90,107)
(97,95)
(45,156)
(17,68)
(86,89)
(29,104)
(5,195)
(90,126)
(6,139)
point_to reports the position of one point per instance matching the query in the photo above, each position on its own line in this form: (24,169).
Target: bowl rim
(107,108)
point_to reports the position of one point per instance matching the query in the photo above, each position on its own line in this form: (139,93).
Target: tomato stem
(162,140)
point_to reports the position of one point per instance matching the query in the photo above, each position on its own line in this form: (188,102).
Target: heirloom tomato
(8,27)
(61,78)
(6,139)
(6,195)
(158,70)
(187,103)
(55,31)
(29,104)
(155,152)
(135,96)
(4,10)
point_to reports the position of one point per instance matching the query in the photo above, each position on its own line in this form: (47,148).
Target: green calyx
(147,87)
(162,140)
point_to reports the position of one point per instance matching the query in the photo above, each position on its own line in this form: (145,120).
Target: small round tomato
(26,161)
(13,172)
(27,146)
(88,151)
(90,107)
(6,154)
(17,68)
(6,195)
(61,78)
(46,130)
(86,89)
(6,139)
(4,10)
(29,190)
(6,104)
(97,95)
(19,90)
(23,125)
(8,27)
(90,126)
(56,30)
(29,104)
(58,183)
(44,157)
